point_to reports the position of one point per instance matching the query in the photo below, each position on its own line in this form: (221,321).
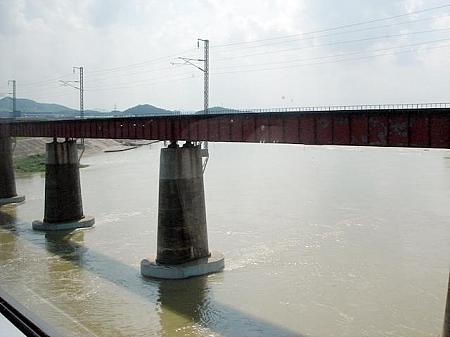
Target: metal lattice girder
(423,127)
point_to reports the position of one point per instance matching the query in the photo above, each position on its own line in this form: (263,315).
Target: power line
(338,55)
(297,65)
(113,69)
(152,82)
(44,81)
(164,79)
(268,52)
(263,43)
(326,62)
(336,27)
(147,84)
(161,59)
(336,43)
(144,81)
(339,33)
(41,90)
(132,65)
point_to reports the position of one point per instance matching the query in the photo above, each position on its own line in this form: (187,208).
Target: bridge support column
(63,205)
(8,194)
(182,248)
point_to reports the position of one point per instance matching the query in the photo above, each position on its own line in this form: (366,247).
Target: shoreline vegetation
(33,164)
(29,159)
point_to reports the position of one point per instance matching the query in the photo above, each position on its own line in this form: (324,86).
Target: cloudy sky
(263,53)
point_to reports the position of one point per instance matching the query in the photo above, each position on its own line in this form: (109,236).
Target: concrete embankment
(32,146)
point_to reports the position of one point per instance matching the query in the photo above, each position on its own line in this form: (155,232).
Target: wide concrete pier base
(8,194)
(63,204)
(13,200)
(182,248)
(207,265)
(87,221)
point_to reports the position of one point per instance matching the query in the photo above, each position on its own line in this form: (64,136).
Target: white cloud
(42,39)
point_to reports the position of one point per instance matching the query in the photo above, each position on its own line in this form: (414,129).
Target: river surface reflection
(319,241)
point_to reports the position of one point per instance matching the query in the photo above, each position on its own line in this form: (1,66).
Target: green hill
(27,105)
(145,110)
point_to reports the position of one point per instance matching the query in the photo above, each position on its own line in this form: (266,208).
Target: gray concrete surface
(13,200)
(87,221)
(182,232)
(207,265)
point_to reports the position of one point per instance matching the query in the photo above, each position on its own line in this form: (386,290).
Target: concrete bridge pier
(8,193)
(63,204)
(182,248)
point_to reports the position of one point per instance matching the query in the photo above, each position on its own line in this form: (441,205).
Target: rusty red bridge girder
(424,127)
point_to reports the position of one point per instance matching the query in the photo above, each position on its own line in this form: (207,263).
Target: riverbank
(26,147)
(33,164)
(29,153)
(30,164)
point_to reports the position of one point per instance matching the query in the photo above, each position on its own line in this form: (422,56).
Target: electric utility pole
(205,70)
(14,109)
(206,75)
(80,69)
(81,89)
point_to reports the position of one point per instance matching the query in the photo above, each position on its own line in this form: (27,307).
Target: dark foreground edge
(23,319)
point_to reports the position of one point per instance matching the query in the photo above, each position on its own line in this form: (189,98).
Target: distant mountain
(27,105)
(145,110)
(216,110)
(30,109)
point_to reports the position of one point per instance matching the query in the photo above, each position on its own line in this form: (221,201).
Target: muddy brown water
(318,241)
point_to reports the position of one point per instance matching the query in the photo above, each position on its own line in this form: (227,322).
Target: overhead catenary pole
(205,70)
(81,88)
(206,77)
(205,92)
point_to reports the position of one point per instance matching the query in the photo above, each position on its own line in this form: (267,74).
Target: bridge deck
(384,127)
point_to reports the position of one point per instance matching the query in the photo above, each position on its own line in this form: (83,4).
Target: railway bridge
(182,243)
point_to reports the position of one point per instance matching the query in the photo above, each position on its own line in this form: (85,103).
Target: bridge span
(401,126)
(182,241)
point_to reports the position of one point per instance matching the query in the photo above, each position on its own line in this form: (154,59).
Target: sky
(278,53)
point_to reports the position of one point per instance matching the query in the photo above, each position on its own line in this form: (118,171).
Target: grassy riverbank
(33,164)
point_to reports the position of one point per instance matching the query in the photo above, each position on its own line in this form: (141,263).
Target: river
(318,241)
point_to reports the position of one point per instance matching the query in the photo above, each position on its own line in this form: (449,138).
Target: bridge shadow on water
(185,307)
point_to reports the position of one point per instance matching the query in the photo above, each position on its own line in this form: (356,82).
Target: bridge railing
(341,108)
(213,111)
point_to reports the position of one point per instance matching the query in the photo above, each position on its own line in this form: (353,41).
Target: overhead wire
(25,84)
(337,55)
(334,43)
(326,62)
(167,80)
(152,83)
(150,61)
(339,33)
(337,27)
(98,75)
(170,69)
